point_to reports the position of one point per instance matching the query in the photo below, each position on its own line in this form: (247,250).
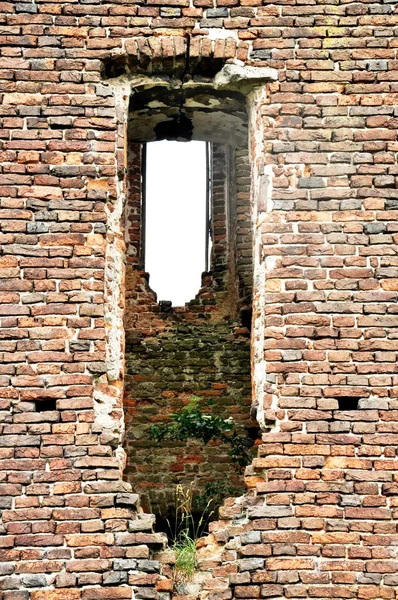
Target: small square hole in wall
(46,405)
(348,403)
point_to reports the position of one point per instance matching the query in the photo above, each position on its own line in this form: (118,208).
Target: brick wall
(319,519)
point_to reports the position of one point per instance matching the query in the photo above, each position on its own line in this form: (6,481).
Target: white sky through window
(175,219)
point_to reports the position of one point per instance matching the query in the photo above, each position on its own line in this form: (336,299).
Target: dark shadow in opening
(348,402)
(46,405)
(180,127)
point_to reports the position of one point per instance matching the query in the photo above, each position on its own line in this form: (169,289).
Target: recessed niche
(46,405)
(348,403)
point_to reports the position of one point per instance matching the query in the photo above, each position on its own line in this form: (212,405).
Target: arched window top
(198,112)
(192,113)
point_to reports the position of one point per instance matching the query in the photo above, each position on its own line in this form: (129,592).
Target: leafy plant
(192,422)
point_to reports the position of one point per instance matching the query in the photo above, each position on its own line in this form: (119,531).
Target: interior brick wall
(319,519)
(207,360)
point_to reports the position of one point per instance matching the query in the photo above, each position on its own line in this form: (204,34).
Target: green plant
(193,511)
(193,422)
(186,531)
(186,563)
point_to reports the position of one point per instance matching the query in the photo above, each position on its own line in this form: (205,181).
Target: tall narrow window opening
(200,346)
(176,218)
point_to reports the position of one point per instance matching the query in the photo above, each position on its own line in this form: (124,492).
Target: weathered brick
(327,131)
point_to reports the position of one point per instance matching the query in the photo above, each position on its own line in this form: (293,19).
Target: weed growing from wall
(185,532)
(194,421)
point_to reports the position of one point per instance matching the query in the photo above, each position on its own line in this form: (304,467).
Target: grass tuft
(186,563)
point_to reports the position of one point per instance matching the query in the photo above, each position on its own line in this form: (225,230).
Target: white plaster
(114,261)
(234,76)
(193,103)
(217,33)
(261,184)
(103,406)
(108,396)
(157,104)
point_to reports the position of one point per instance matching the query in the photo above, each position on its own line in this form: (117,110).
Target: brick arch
(171,56)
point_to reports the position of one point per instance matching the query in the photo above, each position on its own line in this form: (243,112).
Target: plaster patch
(217,33)
(108,397)
(241,78)
(261,191)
